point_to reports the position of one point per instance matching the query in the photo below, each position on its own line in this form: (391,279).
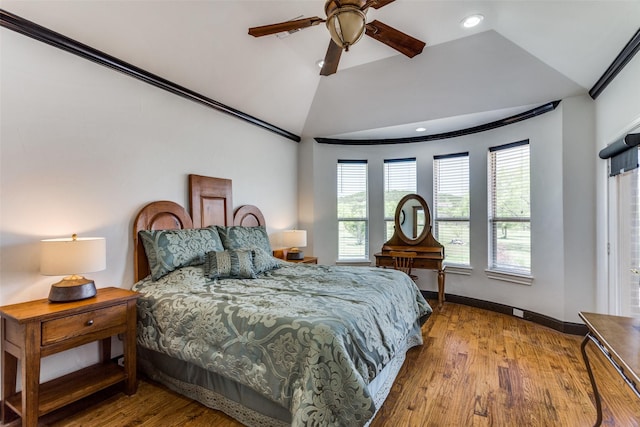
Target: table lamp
(294,239)
(70,257)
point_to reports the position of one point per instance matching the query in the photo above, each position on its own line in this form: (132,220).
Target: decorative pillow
(170,249)
(234,264)
(239,237)
(264,261)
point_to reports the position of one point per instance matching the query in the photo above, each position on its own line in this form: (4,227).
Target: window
(510,208)
(451,206)
(623,246)
(353,221)
(632,291)
(399,180)
(626,295)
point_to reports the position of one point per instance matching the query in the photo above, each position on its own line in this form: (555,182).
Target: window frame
(391,219)
(624,225)
(365,219)
(437,219)
(518,274)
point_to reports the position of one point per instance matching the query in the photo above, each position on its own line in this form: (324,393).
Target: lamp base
(72,288)
(295,255)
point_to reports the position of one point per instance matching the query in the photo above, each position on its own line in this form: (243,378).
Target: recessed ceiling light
(472,20)
(421,129)
(320,63)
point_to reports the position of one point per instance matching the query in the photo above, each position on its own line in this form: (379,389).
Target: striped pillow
(229,264)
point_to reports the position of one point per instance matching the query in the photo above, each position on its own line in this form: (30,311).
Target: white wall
(562,187)
(580,171)
(618,106)
(83,148)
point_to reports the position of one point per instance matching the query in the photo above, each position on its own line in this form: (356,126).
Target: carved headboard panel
(211,201)
(248,216)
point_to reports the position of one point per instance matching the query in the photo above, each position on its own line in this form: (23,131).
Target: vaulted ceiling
(524,53)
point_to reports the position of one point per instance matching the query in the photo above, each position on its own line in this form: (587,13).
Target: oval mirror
(412,219)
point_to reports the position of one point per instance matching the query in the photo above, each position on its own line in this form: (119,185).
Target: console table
(618,338)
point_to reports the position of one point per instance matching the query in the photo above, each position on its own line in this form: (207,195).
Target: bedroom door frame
(621,232)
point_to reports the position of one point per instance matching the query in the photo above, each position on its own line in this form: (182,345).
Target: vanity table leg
(440,287)
(596,395)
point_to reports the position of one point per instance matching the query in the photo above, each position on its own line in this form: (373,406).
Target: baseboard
(541,319)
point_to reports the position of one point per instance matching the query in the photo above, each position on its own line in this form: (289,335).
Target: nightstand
(306,260)
(35,329)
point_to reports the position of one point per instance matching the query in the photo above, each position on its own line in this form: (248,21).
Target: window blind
(353,227)
(623,154)
(634,286)
(400,179)
(451,206)
(510,208)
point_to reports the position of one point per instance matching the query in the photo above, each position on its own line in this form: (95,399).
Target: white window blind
(353,221)
(399,180)
(451,206)
(633,292)
(510,208)
(626,294)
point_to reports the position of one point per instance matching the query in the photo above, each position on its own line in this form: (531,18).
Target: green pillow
(229,264)
(240,237)
(263,261)
(170,249)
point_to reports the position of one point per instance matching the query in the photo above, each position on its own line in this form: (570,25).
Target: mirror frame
(427,220)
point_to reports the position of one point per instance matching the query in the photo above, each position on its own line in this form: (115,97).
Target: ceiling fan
(347,22)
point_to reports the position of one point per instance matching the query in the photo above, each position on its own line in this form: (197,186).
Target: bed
(268,342)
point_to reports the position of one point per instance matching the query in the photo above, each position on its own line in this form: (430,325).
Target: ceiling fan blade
(377,4)
(331,59)
(281,27)
(396,39)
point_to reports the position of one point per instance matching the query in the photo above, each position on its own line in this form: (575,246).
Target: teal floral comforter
(309,337)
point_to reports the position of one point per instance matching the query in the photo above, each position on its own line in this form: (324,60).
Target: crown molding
(534,112)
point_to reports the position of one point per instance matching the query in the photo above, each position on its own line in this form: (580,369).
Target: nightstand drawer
(57,330)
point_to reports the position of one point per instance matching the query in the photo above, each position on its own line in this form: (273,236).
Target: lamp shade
(346,25)
(60,257)
(294,238)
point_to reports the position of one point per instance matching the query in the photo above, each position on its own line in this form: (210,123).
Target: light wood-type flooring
(476,368)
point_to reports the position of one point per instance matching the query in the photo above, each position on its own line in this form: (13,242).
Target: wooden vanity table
(412,232)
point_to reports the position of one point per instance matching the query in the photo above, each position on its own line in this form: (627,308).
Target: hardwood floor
(476,368)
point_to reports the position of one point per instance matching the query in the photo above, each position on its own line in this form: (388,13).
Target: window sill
(354,262)
(463,270)
(521,279)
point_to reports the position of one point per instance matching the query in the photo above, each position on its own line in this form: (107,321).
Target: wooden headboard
(248,216)
(211,204)
(211,201)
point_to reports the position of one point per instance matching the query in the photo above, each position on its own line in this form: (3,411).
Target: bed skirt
(238,401)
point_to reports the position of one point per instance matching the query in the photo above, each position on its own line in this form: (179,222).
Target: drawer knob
(89,322)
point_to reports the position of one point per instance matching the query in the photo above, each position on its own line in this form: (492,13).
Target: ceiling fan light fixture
(346,25)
